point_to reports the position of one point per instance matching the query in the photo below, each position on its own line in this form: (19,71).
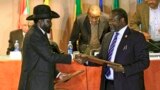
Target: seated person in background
(147,20)
(88,30)
(18,35)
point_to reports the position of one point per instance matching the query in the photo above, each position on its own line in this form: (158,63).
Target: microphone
(155,46)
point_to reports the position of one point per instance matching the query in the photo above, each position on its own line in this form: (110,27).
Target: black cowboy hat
(42,12)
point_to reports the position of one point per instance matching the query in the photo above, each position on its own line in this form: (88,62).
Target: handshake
(82,58)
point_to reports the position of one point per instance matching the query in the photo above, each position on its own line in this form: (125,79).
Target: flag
(24,9)
(139,1)
(46,2)
(101,4)
(115,4)
(78,7)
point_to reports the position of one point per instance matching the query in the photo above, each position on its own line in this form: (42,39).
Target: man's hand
(146,35)
(117,68)
(80,58)
(64,76)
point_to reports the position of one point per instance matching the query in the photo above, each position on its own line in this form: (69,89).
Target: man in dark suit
(38,59)
(89,29)
(130,51)
(146,20)
(15,35)
(18,34)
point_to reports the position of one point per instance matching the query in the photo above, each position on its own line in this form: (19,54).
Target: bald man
(18,34)
(88,30)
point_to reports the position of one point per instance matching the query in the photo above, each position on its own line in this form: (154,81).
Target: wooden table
(152,76)
(9,74)
(89,80)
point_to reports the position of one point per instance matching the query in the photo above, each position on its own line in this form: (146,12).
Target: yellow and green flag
(46,2)
(115,4)
(78,7)
(24,9)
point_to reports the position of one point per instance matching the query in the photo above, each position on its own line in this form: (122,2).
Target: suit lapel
(88,27)
(20,34)
(146,16)
(123,42)
(40,33)
(100,28)
(145,13)
(108,40)
(107,43)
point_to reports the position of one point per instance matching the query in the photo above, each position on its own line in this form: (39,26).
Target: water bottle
(70,48)
(16,46)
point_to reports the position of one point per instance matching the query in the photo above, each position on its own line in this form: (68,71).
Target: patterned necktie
(110,51)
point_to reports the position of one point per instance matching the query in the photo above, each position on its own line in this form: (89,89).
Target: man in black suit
(89,29)
(129,49)
(18,34)
(38,59)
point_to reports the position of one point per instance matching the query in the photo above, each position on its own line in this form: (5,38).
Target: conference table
(88,80)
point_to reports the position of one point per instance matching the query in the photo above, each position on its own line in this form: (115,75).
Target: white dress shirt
(154,23)
(121,32)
